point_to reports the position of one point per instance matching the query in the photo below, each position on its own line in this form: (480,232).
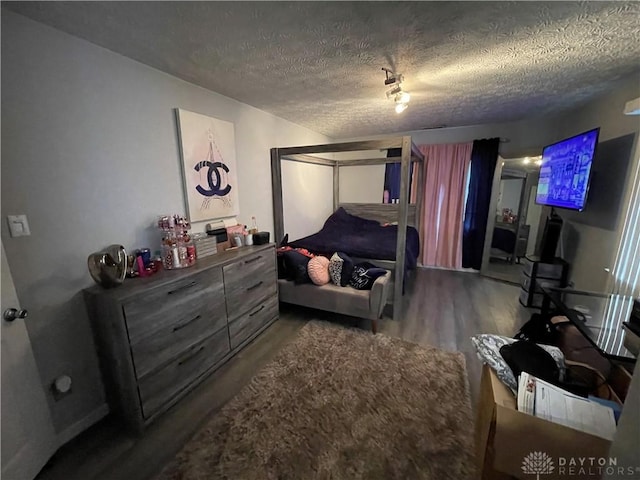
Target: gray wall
(591,249)
(90,154)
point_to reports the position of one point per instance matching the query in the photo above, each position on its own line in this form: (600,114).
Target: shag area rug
(340,403)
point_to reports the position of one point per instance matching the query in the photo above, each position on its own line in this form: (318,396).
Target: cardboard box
(506,437)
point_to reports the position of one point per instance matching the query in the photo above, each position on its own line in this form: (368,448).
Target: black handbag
(538,329)
(525,356)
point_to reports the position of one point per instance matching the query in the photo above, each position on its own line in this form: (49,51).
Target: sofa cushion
(340,269)
(318,270)
(364,274)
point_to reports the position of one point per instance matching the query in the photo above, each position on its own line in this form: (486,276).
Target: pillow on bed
(318,270)
(340,269)
(296,266)
(364,275)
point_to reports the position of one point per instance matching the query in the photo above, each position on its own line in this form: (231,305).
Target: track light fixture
(392,77)
(396,93)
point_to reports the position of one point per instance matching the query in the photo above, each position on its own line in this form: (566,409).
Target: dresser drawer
(248,282)
(194,323)
(163,306)
(530,299)
(252,321)
(160,387)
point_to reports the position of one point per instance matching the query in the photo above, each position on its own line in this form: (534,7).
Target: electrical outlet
(18,225)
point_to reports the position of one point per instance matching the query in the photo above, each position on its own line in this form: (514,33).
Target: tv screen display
(565,171)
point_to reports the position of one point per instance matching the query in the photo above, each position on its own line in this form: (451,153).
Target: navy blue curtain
(484,156)
(392,174)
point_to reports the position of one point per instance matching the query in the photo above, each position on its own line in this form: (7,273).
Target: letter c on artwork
(214,179)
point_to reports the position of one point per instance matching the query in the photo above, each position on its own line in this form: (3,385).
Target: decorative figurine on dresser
(161,335)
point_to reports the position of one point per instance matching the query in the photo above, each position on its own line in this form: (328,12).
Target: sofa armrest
(379,294)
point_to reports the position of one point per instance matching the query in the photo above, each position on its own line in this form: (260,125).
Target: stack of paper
(544,400)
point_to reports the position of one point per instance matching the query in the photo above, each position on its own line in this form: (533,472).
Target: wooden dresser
(158,337)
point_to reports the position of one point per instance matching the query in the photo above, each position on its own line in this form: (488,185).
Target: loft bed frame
(401,212)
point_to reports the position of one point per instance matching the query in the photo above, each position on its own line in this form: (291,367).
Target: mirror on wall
(514,220)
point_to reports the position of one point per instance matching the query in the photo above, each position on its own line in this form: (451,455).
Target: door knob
(10,314)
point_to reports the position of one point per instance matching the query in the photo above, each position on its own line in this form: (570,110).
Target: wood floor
(501,269)
(441,308)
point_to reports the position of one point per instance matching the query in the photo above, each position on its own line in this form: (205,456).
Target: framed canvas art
(207,147)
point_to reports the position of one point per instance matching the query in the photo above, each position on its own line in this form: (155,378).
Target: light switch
(18,225)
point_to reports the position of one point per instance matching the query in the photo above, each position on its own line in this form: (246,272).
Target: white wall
(314,185)
(364,184)
(361,184)
(510,191)
(90,154)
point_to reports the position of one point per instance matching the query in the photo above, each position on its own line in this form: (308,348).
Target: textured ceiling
(318,64)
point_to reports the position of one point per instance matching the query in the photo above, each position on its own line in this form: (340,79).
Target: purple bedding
(504,239)
(359,237)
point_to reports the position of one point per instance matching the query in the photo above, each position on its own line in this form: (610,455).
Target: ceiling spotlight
(403,97)
(401,107)
(526,160)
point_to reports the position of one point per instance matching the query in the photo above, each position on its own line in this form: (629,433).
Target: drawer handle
(257,311)
(191,356)
(253,287)
(182,325)
(253,259)
(184,287)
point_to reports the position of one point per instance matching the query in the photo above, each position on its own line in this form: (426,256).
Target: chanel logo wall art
(208,150)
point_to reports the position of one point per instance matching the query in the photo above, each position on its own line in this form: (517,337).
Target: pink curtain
(443,203)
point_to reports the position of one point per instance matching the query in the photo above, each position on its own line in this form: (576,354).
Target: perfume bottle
(248,237)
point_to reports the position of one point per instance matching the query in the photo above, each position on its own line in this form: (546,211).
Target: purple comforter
(359,237)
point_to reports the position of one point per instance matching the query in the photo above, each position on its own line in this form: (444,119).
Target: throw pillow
(488,349)
(364,275)
(296,266)
(318,270)
(340,269)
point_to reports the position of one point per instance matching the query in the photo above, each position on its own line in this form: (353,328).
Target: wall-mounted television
(566,170)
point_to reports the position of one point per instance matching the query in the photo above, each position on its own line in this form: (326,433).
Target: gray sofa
(344,300)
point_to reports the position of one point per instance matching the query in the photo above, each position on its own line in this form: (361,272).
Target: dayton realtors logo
(537,463)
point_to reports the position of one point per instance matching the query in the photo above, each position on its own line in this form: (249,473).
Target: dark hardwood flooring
(501,269)
(441,308)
